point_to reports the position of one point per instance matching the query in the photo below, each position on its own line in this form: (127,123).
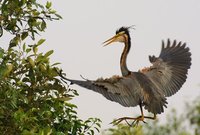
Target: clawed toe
(117,121)
(137,120)
(134,123)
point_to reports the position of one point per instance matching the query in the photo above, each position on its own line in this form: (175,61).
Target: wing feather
(169,70)
(116,89)
(128,91)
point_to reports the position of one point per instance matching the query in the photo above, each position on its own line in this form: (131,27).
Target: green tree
(123,129)
(194,115)
(34,100)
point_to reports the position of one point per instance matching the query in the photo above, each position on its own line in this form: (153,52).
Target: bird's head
(122,35)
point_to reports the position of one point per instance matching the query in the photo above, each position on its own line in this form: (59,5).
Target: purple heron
(148,87)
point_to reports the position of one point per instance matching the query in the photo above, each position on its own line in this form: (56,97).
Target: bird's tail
(156,106)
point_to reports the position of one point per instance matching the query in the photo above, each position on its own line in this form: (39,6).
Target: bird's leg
(153,118)
(147,117)
(139,118)
(135,120)
(117,121)
(142,117)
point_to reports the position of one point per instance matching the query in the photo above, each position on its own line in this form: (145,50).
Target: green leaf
(41,41)
(31,61)
(24,35)
(43,25)
(35,49)
(22,2)
(24,47)
(91,132)
(55,64)
(59,16)
(12,44)
(98,124)
(1,53)
(64,98)
(48,4)
(9,68)
(71,105)
(36,13)
(28,50)
(14,41)
(42,67)
(97,129)
(1,30)
(48,53)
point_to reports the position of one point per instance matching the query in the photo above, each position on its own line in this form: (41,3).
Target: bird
(148,87)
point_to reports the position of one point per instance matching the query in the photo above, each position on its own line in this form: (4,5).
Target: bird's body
(148,87)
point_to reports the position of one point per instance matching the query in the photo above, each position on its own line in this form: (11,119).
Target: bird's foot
(134,123)
(137,120)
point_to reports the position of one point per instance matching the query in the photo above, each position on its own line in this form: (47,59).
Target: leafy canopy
(34,100)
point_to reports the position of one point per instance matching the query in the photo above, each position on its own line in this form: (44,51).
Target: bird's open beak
(109,41)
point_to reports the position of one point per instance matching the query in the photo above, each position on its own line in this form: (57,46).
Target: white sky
(77,42)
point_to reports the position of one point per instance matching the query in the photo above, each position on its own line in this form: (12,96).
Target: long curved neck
(125,52)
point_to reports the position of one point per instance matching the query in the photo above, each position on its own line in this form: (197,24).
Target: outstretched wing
(116,89)
(169,70)
(128,91)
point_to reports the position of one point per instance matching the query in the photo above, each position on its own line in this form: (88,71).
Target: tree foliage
(34,100)
(25,17)
(194,115)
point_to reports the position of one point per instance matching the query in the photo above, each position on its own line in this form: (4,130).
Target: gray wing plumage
(169,70)
(128,91)
(116,89)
